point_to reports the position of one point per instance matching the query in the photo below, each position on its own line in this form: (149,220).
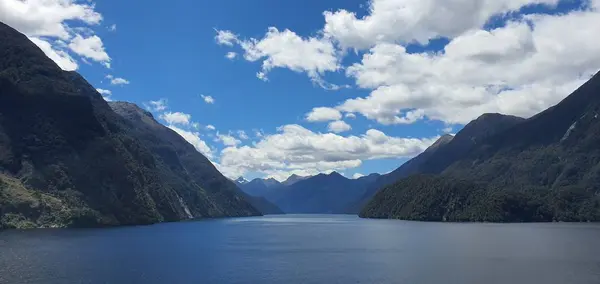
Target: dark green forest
(68,160)
(545,168)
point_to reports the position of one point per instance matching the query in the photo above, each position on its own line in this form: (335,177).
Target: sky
(270,88)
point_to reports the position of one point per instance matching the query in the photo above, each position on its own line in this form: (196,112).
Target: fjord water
(305,249)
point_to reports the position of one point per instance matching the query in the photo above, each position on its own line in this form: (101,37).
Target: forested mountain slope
(67,159)
(545,168)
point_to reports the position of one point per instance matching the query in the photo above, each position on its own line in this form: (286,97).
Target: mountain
(293,179)
(323,193)
(545,168)
(184,167)
(240,181)
(446,150)
(67,159)
(261,187)
(412,166)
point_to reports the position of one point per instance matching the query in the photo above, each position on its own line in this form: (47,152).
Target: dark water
(305,249)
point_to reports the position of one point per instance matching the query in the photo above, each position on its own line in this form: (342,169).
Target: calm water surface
(305,249)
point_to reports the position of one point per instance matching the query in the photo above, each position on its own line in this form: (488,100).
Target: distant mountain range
(498,168)
(69,159)
(320,194)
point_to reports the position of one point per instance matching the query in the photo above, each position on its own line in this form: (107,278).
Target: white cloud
(59,56)
(357,176)
(194,138)
(174,118)
(405,21)
(104,92)
(210,127)
(350,115)
(208,99)
(319,114)
(158,105)
(262,76)
(112,28)
(520,69)
(338,126)
(447,129)
(296,149)
(228,140)
(90,47)
(117,80)
(285,49)
(242,134)
(225,38)
(231,55)
(49,23)
(47,17)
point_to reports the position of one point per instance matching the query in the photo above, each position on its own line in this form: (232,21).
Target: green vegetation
(443,198)
(546,168)
(67,159)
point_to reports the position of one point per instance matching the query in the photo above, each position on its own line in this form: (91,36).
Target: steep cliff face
(60,142)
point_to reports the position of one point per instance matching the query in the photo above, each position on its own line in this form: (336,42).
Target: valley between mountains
(68,158)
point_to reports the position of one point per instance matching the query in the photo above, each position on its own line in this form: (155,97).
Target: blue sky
(404,72)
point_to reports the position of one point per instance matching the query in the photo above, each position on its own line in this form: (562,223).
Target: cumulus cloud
(285,49)
(51,23)
(231,55)
(117,80)
(320,114)
(524,65)
(46,17)
(158,105)
(193,138)
(174,118)
(228,140)
(406,21)
(104,92)
(295,149)
(208,99)
(224,37)
(210,127)
(338,126)
(519,69)
(59,56)
(90,47)
(242,135)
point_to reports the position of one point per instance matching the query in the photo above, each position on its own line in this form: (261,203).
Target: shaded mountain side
(547,167)
(445,151)
(320,194)
(445,198)
(261,187)
(294,179)
(472,135)
(60,139)
(263,205)
(412,166)
(183,167)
